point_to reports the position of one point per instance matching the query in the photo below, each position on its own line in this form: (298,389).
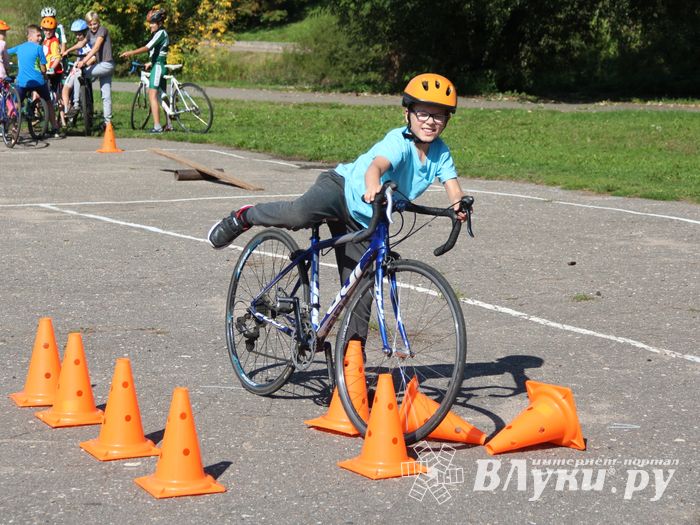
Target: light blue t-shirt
(29,58)
(407,171)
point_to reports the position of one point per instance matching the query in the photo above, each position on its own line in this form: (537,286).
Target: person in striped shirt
(157,49)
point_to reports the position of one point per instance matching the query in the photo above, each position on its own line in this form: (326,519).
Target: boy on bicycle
(79,28)
(157,49)
(412,156)
(32,71)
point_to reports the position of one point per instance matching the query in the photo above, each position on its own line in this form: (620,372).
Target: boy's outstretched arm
(373,176)
(454,194)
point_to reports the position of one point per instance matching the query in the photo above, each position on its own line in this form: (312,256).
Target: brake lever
(465,206)
(389,204)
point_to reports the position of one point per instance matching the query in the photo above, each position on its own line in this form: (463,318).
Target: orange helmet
(431,89)
(4,26)
(48,22)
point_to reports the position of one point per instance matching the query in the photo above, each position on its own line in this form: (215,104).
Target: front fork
(390,348)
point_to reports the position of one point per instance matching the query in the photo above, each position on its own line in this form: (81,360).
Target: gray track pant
(324,200)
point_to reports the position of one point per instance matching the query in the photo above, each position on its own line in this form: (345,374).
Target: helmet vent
(425,85)
(449,91)
(437,84)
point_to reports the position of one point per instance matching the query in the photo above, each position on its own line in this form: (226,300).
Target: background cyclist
(72,84)
(157,49)
(101,48)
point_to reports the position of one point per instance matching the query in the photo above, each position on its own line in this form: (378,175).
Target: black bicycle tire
(141,102)
(454,382)
(44,122)
(201,93)
(11,138)
(86,108)
(239,364)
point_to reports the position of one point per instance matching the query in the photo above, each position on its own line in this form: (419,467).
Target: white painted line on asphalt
(149,201)
(281,163)
(582,331)
(592,206)
(472,302)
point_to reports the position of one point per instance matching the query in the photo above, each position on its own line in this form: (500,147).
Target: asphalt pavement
(595,293)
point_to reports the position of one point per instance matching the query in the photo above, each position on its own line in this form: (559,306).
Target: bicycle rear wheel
(260,353)
(140,108)
(86,107)
(38,119)
(193,109)
(436,332)
(12,123)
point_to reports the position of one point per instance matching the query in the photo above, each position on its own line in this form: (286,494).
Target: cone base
(105,452)
(59,420)
(159,488)
(23,399)
(115,150)
(333,425)
(409,467)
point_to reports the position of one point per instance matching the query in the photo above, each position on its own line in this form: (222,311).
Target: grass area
(293,32)
(650,154)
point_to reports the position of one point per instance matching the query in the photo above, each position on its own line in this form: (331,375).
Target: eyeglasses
(438,118)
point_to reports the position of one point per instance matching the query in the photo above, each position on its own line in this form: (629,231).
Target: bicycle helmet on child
(79,25)
(4,26)
(48,22)
(48,11)
(156,16)
(431,88)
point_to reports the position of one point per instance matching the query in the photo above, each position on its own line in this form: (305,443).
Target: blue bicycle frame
(375,253)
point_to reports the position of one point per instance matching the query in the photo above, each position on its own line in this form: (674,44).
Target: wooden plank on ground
(205,169)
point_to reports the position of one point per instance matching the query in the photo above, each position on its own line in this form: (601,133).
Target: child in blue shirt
(32,71)
(412,156)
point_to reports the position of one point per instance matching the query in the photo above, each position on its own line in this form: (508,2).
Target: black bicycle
(84,117)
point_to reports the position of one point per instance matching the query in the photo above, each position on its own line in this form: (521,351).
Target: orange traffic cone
(336,419)
(417,408)
(550,418)
(179,470)
(44,368)
(109,144)
(121,435)
(384,450)
(74,404)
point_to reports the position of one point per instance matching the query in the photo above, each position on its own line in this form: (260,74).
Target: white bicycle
(186,103)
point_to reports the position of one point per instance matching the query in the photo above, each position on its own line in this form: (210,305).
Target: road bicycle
(186,103)
(273,323)
(10,113)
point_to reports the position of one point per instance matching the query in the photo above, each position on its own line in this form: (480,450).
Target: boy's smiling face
(426,121)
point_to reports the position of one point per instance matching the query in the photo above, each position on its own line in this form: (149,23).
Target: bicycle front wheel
(193,109)
(38,119)
(261,353)
(140,108)
(12,123)
(434,326)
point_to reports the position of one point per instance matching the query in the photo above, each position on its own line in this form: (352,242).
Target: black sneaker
(72,112)
(227,229)
(56,133)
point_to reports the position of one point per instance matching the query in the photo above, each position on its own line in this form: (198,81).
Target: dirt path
(364,99)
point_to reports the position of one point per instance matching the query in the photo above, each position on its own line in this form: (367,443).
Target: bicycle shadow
(311,384)
(514,366)
(28,142)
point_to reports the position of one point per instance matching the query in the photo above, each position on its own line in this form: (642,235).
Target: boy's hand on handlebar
(371,192)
